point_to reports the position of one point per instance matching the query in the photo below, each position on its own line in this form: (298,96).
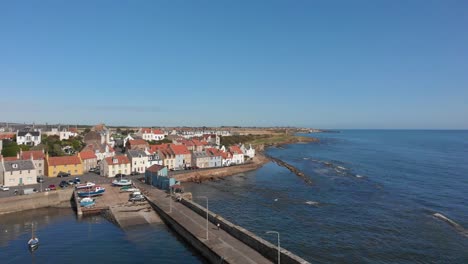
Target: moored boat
(92,192)
(131,190)
(85,185)
(122,182)
(33,243)
(87,202)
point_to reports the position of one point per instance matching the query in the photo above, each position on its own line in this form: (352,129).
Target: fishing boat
(33,243)
(85,185)
(122,182)
(87,202)
(125,188)
(92,192)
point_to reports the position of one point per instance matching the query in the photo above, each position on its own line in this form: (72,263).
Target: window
(29,178)
(76,171)
(29,171)
(40,171)
(20,172)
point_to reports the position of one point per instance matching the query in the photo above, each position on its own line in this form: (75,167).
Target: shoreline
(260,159)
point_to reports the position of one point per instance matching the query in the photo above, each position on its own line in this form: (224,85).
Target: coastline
(260,159)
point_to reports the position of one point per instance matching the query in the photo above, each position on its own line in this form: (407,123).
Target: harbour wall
(262,246)
(59,198)
(203,249)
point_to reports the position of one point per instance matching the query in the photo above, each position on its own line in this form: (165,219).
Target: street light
(279,247)
(170,199)
(206,214)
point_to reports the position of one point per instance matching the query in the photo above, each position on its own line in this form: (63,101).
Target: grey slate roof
(200,154)
(33,133)
(21,165)
(135,153)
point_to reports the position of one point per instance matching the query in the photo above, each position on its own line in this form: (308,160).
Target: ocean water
(372,200)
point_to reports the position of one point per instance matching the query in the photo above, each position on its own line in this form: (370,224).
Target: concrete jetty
(229,244)
(115,206)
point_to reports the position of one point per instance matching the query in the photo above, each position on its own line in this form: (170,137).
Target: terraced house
(138,159)
(112,166)
(17,172)
(65,164)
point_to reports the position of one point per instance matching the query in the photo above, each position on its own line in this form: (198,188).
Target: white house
(17,172)
(150,134)
(138,159)
(237,155)
(112,166)
(250,152)
(66,134)
(153,158)
(28,137)
(101,151)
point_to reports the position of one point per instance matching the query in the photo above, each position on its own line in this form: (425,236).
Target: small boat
(92,192)
(131,190)
(85,185)
(125,188)
(33,243)
(87,202)
(122,182)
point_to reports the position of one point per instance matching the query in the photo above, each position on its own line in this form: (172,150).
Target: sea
(373,197)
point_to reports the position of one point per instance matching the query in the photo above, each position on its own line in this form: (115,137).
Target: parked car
(52,187)
(77,180)
(4,188)
(40,179)
(134,173)
(63,184)
(63,174)
(136,198)
(120,175)
(71,182)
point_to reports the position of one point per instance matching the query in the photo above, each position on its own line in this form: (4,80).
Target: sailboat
(33,243)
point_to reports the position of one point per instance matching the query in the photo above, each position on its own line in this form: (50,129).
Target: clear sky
(327,64)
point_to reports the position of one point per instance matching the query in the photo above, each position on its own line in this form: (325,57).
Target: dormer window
(15,166)
(115,161)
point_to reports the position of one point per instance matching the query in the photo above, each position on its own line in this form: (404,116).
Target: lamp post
(279,247)
(206,214)
(170,199)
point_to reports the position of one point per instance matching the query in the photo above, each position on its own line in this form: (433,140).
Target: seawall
(59,198)
(262,246)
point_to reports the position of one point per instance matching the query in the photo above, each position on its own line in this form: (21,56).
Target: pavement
(231,249)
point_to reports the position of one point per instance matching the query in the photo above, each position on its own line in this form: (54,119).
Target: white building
(17,172)
(153,158)
(250,152)
(150,134)
(237,155)
(112,166)
(66,134)
(28,137)
(126,139)
(138,160)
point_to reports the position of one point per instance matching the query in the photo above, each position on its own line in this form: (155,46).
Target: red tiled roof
(7,136)
(36,154)
(120,160)
(155,168)
(146,130)
(152,131)
(214,152)
(236,150)
(87,154)
(65,160)
(179,149)
(137,142)
(158,132)
(73,130)
(10,158)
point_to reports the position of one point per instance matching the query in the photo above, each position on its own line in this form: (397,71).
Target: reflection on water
(65,239)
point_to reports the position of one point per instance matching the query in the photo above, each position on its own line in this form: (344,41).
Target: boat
(33,243)
(122,182)
(87,202)
(85,185)
(125,188)
(92,192)
(131,190)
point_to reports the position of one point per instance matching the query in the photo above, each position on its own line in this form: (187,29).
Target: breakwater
(452,223)
(293,169)
(59,198)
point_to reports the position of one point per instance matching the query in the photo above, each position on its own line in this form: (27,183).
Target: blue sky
(328,64)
